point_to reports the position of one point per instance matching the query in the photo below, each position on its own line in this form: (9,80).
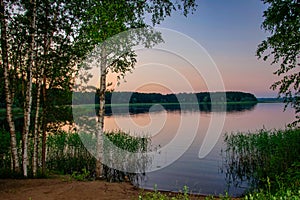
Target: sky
(229,33)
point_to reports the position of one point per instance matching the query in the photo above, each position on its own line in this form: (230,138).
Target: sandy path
(37,189)
(62,187)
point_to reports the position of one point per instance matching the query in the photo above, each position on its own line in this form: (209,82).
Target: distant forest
(152,98)
(60,97)
(240,101)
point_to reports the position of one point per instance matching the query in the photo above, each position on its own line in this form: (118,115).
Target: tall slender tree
(8,94)
(28,97)
(104,19)
(57,29)
(36,130)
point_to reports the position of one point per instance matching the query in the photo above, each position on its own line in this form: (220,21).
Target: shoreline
(63,187)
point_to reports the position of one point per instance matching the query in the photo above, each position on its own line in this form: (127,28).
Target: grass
(81,176)
(157,195)
(181,195)
(268,160)
(127,142)
(66,154)
(280,194)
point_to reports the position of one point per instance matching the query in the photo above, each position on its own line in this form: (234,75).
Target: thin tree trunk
(36,129)
(102,90)
(47,42)
(8,98)
(44,126)
(28,98)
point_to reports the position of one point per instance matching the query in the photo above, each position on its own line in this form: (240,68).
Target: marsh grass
(128,162)
(66,154)
(128,142)
(268,160)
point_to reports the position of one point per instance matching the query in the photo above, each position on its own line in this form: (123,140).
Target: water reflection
(207,108)
(205,175)
(59,116)
(162,123)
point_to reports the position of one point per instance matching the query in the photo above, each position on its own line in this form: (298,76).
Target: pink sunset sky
(229,31)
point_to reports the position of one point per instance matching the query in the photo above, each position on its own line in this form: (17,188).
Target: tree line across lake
(60,97)
(152,98)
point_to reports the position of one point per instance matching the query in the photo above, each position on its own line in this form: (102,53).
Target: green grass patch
(157,195)
(268,160)
(181,195)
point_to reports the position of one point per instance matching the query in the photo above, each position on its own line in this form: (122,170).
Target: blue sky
(230,31)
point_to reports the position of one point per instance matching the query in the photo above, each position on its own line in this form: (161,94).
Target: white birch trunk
(28,98)
(44,126)
(8,96)
(36,129)
(102,90)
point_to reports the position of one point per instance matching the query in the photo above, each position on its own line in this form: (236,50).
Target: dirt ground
(60,188)
(36,189)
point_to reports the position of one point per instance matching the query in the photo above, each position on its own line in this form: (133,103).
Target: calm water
(201,175)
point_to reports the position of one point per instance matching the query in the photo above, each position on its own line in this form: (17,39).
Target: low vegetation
(268,160)
(165,196)
(66,154)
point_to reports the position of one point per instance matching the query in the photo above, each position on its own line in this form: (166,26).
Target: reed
(66,154)
(263,156)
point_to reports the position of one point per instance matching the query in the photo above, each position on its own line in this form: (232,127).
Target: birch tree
(28,97)
(282,21)
(57,29)
(36,131)
(8,92)
(41,39)
(105,19)
(52,37)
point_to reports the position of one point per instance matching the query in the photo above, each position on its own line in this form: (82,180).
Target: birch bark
(8,96)
(28,97)
(102,90)
(36,128)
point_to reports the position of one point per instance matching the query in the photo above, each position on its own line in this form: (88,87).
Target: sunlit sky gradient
(230,32)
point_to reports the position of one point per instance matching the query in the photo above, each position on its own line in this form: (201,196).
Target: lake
(187,142)
(201,174)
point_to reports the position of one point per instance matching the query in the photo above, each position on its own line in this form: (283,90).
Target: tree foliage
(62,35)
(102,22)
(282,21)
